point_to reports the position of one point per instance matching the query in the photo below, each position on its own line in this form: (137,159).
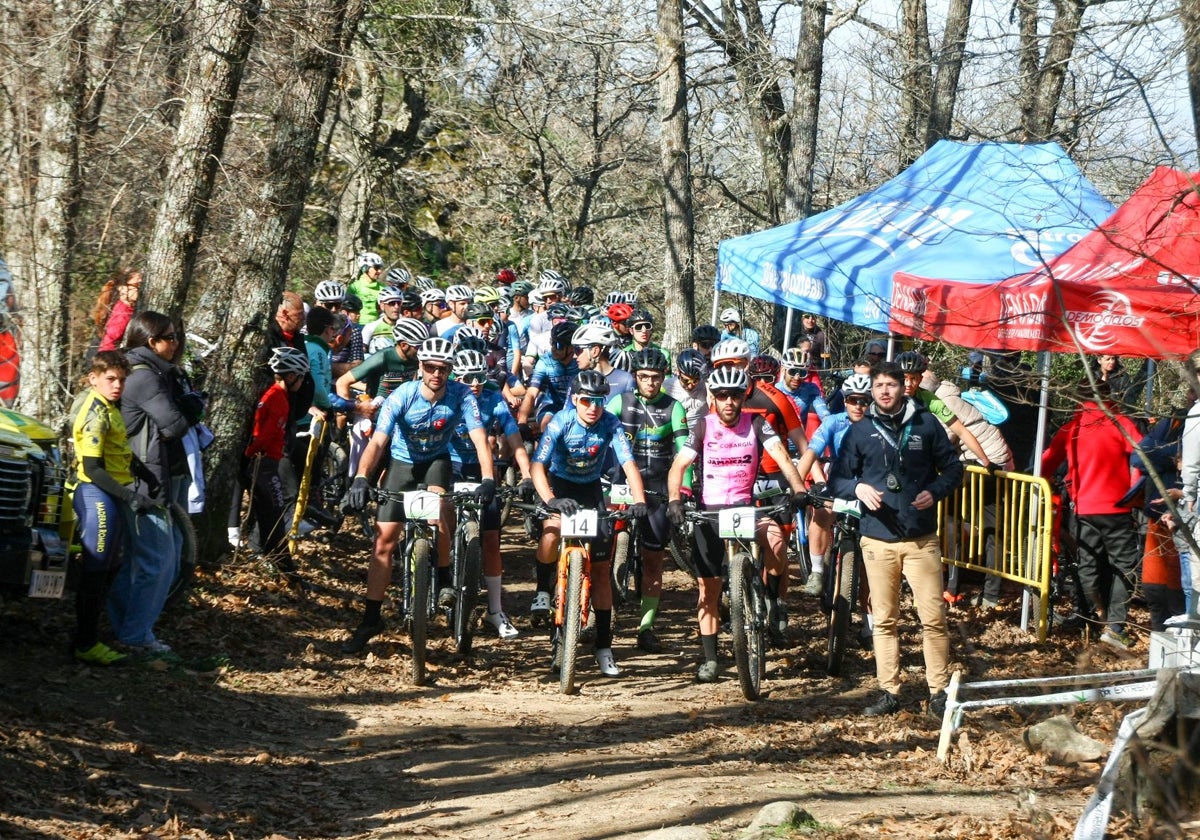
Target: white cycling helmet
(729,350)
(390,293)
(857,383)
(729,377)
(459,292)
(422,282)
(436,349)
(469,361)
(330,291)
(410,331)
(553,282)
(369,259)
(285,360)
(730,314)
(613,297)
(537,298)
(592,335)
(432,296)
(399,276)
(794,357)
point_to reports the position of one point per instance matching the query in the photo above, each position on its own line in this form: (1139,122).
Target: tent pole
(1039,445)
(716,303)
(787,329)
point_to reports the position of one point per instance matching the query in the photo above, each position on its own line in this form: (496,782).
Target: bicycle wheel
(845,573)
(624,588)
(512,477)
(187,555)
(468,563)
(678,548)
(799,545)
(746,626)
(572,612)
(421,582)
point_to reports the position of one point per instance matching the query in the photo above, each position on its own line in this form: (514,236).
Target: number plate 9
(736,523)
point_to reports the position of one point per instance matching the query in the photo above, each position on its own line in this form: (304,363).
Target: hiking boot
(1116,639)
(648,642)
(504,627)
(815,584)
(100,654)
(447,597)
(937,705)
(362,634)
(608,665)
(707,672)
(539,610)
(887,704)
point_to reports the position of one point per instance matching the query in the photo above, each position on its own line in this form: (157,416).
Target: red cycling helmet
(506,277)
(618,312)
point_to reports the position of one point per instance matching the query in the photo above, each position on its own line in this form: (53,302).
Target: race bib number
(466,486)
(850,507)
(583,524)
(619,495)
(421,504)
(765,488)
(736,523)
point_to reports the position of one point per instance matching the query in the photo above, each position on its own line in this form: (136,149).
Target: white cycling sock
(818,563)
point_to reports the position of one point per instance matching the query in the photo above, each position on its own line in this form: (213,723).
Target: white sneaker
(504,628)
(815,583)
(608,665)
(540,606)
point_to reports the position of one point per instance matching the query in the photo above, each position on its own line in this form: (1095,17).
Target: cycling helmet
(558,311)
(369,259)
(561,334)
(618,357)
(285,360)
(910,361)
(506,277)
(436,349)
(473,340)
(487,294)
(794,357)
(581,295)
(692,363)
(536,298)
(618,312)
(410,331)
(587,312)
(469,361)
(478,311)
(521,287)
(730,314)
(574,314)
(630,298)
(730,350)
(432,296)
(422,283)
(330,291)
(553,287)
(410,300)
(590,335)
(398,277)
(505,303)
(641,316)
(649,358)
(857,383)
(728,378)
(352,302)
(613,297)
(390,293)
(706,332)
(764,367)
(591,383)
(459,292)
(549,275)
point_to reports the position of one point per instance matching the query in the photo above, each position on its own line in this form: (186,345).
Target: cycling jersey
(656,429)
(935,406)
(575,452)
(829,434)
(552,379)
(497,420)
(420,430)
(270,424)
(99,432)
(806,396)
(377,336)
(728,457)
(776,409)
(367,290)
(384,371)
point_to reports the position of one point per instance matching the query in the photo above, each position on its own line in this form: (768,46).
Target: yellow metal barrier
(1015,512)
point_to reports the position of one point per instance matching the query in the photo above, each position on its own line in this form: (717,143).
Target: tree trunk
(916,81)
(949,68)
(307,63)
(679,270)
(806,102)
(1042,108)
(1189,14)
(224,32)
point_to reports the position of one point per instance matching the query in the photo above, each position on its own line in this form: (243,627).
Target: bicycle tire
(334,485)
(846,572)
(619,568)
(745,626)
(799,541)
(572,614)
(467,567)
(512,477)
(677,545)
(182,585)
(421,582)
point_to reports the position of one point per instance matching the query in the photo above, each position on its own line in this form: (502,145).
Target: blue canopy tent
(974,213)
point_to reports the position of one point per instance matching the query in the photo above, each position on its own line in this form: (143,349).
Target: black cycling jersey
(656,430)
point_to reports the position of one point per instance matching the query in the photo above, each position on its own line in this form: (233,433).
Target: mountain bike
(844,582)
(466,563)
(322,482)
(748,609)
(626,568)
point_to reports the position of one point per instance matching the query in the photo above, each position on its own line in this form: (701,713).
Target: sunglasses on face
(640,327)
(391,303)
(729,395)
(687,382)
(593,402)
(797,371)
(472,378)
(859,401)
(441,370)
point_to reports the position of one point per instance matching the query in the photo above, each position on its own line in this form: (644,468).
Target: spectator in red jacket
(1096,444)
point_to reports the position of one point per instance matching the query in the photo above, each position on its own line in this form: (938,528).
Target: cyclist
(520,312)
(856,395)
(618,315)
(687,385)
(415,425)
(434,303)
(566,474)
(914,365)
(593,345)
(329,294)
(704,337)
(732,321)
(377,335)
(727,445)
(471,368)
(657,426)
(546,392)
(641,331)
(398,277)
(459,298)
(368,283)
(795,384)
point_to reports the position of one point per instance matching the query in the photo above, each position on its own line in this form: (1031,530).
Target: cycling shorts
(402,477)
(489,516)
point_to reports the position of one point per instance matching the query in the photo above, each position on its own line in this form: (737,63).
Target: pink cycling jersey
(728,457)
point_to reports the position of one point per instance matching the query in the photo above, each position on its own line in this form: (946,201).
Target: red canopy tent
(1128,288)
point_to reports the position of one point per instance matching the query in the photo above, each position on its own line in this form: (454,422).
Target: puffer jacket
(153,421)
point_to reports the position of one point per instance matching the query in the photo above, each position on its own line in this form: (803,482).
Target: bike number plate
(421,504)
(47,584)
(736,523)
(582,524)
(619,495)
(766,488)
(848,507)
(466,486)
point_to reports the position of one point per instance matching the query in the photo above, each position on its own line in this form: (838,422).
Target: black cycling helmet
(560,334)
(649,358)
(706,333)
(582,296)
(764,367)
(910,361)
(352,302)
(410,300)
(693,364)
(641,316)
(591,383)
(478,311)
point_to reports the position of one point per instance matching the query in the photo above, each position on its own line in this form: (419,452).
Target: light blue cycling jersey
(573,451)
(552,379)
(806,396)
(830,433)
(497,420)
(421,431)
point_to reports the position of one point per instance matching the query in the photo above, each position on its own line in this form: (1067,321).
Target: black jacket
(153,421)
(929,461)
